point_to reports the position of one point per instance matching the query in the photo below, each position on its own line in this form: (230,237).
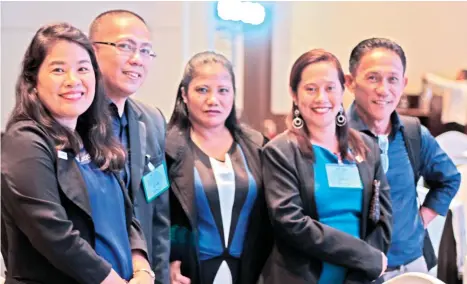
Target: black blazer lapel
(181,171)
(251,150)
(72,183)
(136,131)
(306,178)
(367,182)
(126,201)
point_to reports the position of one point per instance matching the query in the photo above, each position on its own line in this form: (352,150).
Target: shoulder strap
(413,142)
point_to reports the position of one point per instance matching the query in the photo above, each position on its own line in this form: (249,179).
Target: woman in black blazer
(326,192)
(220,227)
(66,216)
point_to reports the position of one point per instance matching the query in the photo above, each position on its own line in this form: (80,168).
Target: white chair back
(454,143)
(462,193)
(414,278)
(2,268)
(464,274)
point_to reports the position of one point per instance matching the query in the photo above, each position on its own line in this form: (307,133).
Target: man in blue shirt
(123,46)
(377,79)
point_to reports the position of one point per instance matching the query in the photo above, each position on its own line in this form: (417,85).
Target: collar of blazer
(74,187)
(137,138)
(180,164)
(71,181)
(306,178)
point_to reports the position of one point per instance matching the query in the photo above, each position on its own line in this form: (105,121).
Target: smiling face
(378,83)
(124,70)
(319,95)
(66,82)
(210,96)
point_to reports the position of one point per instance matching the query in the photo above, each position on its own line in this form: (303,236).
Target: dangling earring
(297,122)
(341,120)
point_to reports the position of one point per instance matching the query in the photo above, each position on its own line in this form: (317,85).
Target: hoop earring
(297,122)
(341,120)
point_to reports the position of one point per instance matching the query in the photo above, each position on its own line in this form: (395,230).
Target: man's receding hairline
(100,19)
(373,50)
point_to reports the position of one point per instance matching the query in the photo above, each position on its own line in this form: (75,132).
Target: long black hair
(93,129)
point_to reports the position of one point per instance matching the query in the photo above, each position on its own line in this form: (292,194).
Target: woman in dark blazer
(66,216)
(325,188)
(220,228)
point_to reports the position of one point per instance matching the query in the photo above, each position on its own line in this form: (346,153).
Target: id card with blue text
(155,182)
(343,176)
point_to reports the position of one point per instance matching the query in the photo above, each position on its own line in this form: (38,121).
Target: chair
(465,271)
(437,229)
(414,278)
(462,193)
(2,268)
(454,143)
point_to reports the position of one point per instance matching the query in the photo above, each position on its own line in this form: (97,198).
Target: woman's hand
(176,276)
(141,277)
(113,278)
(141,269)
(385,264)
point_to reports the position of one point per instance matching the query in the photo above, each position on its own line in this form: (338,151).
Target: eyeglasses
(383,144)
(130,49)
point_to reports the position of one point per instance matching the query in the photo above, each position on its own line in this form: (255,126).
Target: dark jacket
(302,243)
(47,215)
(258,239)
(147,129)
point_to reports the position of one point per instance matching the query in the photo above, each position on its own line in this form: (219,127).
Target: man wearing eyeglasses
(122,42)
(408,151)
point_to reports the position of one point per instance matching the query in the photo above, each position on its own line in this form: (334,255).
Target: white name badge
(62,155)
(343,176)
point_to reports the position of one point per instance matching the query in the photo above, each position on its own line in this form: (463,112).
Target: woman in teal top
(338,207)
(325,188)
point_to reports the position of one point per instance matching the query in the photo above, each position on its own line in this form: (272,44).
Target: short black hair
(370,44)
(97,21)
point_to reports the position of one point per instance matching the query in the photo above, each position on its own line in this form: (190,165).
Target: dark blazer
(47,214)
(258,239)
(147,129)
(302,243)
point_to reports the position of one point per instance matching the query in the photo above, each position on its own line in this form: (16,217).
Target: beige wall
(179,29)
(435,40)
(433,35)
